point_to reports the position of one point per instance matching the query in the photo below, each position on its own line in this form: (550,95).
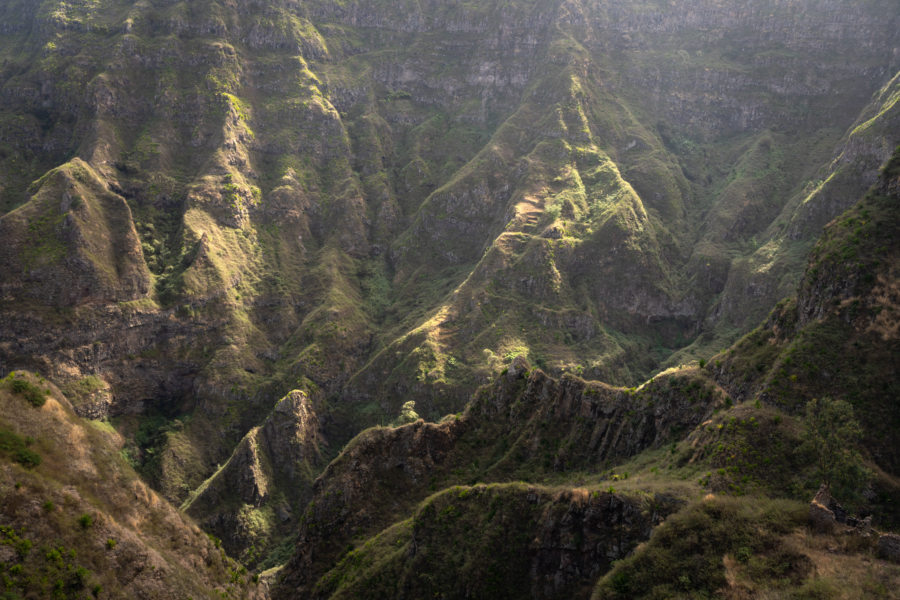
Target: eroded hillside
(209,205)
(431,508)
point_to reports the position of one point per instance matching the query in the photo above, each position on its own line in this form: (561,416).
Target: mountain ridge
(210,204)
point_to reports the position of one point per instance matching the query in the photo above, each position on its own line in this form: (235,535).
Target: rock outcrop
(206,204)
(838,337)
(523,425)
(532,543)
(252,501)
(74,242)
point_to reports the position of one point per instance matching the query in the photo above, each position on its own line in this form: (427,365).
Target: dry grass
(842,566)
(886,295)
(156,551)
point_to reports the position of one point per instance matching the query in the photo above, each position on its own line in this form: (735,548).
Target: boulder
(821,517)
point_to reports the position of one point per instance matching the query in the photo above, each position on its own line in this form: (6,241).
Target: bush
(16,447)
(408,414)
(35,395)
(27,458)
(85,521)
(830,435)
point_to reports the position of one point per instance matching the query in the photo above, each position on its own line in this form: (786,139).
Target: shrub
(830,435)
(408,414)
(16,447)
(27,458)
(85,521)
(684,554)
(34,394)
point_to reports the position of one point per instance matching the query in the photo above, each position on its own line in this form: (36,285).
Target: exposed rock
(843,312)
(532,542)
(578,539)
(265,482)
(83,502)
(390,199)
(889,547)
(385,471)
(821,517)
(72,243)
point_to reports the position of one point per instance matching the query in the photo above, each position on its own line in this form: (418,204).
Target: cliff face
(525,426)
(838,337)
(75,242)
(252,501)
(772,271)
(389,202)
(533,542)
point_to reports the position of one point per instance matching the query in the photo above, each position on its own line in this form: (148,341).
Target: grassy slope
(838,336)
(81,521)
(538,432)
(735,548)
(385,223)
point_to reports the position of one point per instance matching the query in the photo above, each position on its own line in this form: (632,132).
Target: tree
(408,414)
(831,434)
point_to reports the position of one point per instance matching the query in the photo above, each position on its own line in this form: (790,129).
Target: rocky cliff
(524,427)
(252,501)
(371,511)
(208,204)
(838,337)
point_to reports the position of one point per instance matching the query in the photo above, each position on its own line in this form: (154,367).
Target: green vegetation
(48,572)
(831,434)
(34,394)
(408,414)
(83,389)
(688,555)
(64,518)
(18,449)
(86,521)
(262,199)
(436,553)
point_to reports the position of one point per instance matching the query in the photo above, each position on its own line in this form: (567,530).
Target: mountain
(245,233)
(77,520)
(529,463)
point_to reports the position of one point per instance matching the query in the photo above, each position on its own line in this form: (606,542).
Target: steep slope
(560,537)
(759,548)
(250,503)
(368,513)
(211,203)
(85,249)
(839,336)
(525,426)
(773,270)
(75,519)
